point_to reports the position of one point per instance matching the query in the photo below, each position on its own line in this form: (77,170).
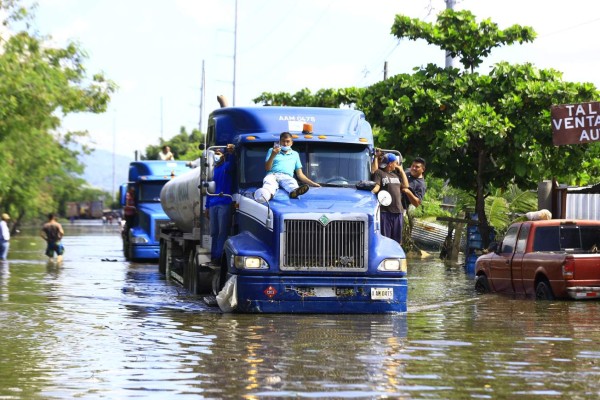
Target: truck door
(517,261)
(500,271)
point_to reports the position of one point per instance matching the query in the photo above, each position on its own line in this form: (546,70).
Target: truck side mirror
(384,197)
(122,193)
(493,248)
(210,187)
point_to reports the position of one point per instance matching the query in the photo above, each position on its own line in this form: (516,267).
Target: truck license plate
(325,291)
(382,293)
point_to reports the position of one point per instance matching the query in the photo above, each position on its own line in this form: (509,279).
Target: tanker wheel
(162,258)
(543,291)
(482,285)
(190,280)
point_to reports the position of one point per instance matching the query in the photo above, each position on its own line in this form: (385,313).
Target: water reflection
(97,328)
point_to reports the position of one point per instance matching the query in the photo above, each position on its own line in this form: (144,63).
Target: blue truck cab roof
(156,170)
(262,124)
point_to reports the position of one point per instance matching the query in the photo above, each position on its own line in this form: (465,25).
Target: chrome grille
(339,245)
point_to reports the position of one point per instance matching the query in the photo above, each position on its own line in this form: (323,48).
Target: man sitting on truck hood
(281,163)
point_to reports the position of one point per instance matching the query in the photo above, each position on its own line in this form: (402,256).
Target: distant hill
(99,169)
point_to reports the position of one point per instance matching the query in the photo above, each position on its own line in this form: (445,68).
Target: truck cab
(321,252)
(140,240)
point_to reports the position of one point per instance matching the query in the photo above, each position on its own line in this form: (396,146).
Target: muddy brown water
(99,327)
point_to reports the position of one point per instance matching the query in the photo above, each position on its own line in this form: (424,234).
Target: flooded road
(100,327)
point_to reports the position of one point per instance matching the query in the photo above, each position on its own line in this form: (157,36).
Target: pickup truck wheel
(543,291)
(482,285)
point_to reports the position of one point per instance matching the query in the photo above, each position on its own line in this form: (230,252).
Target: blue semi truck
(140,241)
(320,253)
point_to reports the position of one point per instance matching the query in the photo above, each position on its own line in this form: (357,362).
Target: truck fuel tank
(180,199)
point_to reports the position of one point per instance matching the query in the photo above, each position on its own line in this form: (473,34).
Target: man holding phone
(281,163)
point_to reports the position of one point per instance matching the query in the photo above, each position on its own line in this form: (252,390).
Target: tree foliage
(41,84)
(480,132)
(461,36)
(184,146)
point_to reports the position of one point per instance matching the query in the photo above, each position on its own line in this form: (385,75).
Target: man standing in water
(4,236)
(52,233)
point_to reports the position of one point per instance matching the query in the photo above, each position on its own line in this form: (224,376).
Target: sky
(155,51)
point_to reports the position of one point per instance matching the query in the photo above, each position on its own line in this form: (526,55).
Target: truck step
(210,300)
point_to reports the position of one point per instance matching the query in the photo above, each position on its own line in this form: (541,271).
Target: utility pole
(202,82)
(161,117)
(114,176)
(385,72)
(235,50)
(449,60)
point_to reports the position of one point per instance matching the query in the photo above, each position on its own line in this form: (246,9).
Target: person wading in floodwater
(52,233)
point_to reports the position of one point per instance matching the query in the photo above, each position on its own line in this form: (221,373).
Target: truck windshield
(331,164)
(150,191)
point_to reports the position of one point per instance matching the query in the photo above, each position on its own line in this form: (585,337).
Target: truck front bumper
(145,252)
(335,295)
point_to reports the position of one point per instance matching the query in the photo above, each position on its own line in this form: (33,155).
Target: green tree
(184,146)
(39,85)
(480,132)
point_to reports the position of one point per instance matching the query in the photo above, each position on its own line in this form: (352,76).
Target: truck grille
(317,246)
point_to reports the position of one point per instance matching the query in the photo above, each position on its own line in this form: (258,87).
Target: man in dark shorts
(52,233)
(392,180)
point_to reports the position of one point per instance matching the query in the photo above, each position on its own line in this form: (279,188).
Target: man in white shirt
(4,236)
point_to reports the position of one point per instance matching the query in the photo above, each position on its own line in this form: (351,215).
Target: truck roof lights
(307,129)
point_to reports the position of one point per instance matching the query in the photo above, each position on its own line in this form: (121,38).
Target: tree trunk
(484,228)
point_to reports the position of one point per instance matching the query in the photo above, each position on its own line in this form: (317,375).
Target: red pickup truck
(544,259)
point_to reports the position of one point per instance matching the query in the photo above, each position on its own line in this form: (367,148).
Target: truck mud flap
(227,297)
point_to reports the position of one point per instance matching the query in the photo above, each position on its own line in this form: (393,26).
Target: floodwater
(98,327)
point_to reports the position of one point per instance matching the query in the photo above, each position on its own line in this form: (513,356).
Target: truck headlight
(138,239)
(393,264)
(244,262)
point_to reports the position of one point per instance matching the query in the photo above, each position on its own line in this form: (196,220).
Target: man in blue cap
(393,180)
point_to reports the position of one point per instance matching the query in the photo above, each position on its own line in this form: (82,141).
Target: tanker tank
(181,201)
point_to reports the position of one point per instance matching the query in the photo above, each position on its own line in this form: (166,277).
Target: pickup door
(500,265)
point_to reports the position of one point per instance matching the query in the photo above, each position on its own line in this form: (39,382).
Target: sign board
(575,123)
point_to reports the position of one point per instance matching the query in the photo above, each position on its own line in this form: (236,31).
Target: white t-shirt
(4,230)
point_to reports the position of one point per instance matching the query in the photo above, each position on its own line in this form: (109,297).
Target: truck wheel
(126,248)
(162,258)
(482,285)
(543,291)
(219,279)
(201,276)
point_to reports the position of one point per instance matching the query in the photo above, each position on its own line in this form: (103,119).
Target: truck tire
(482,285)
(126,247)
(162,258)
(543,291)
(201,276)
(219,279)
